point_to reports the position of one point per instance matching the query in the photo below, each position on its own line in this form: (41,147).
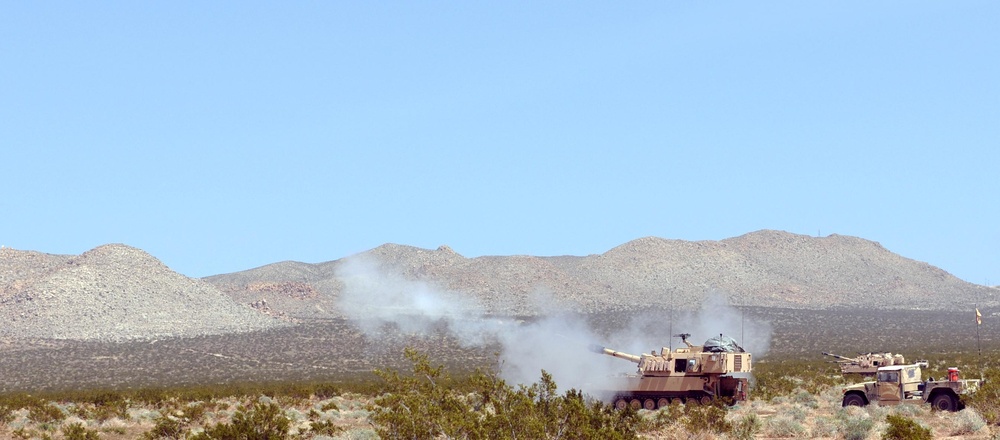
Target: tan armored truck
(898,384)
(866,364)
(695,374)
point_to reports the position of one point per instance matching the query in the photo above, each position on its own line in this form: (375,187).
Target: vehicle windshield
(888,376)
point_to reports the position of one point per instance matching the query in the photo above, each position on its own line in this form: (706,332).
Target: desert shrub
(330,406)
(152,396)
(806,398)
(6,414)
(779,400)
(166,428)
(785,426)
(774,378)
(909,410)
(665,417)
(22,433)
(361,434)
(76,431)
(904,428)
(968,421)
(824,427)
(855,423)
(431,404)
(986,400)
(707,418)
(265,421)
(97,404)
(46,412)
(20,401)
(325,428)
(746,427)
(797,413)
(194,412)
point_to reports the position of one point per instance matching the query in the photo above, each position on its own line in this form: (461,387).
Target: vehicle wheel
(944,402)
(649,404)
(691,401)
(621,403)
(677,400)
(706,400)
(635,404)
(853,400)
(662,403)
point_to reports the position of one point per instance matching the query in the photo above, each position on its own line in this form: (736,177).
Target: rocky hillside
(117,292)
(112,292)
(763,268)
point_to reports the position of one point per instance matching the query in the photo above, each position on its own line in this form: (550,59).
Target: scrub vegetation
(791,399)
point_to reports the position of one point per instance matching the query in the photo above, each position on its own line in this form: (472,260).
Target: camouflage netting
(722,344)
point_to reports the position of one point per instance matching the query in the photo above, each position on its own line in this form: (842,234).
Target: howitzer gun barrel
(603,350)
(838,356)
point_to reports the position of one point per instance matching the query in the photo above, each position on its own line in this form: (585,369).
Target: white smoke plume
(374,298)
(557,342)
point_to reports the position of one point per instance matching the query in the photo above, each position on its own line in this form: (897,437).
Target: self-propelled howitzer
(695,374)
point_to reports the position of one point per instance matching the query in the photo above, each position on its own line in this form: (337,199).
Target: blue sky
(222,136)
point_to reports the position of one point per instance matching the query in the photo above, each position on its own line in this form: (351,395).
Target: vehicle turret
(866,364)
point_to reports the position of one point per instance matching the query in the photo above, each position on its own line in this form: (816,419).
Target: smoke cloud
(557,342)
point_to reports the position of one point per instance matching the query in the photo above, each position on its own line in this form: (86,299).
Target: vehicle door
(890,391)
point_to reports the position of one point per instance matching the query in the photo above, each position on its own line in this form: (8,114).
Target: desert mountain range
(116,292)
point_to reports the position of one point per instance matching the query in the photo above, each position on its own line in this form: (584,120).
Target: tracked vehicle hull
(658,392)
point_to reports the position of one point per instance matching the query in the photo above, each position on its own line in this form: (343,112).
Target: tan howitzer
(692,374)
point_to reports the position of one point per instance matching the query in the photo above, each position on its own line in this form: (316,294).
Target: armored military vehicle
(898,384)
(866,364)
(694,374)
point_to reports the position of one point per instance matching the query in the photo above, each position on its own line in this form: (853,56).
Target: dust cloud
(557,342)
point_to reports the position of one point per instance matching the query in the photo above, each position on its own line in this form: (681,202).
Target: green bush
(904,428)
(986,400)
(46,412)
(325,428)
(708,418)
(430,404)
(265,421)
(76,431)
(6,414)
(166,428)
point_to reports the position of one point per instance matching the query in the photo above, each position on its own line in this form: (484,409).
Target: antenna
(670,344)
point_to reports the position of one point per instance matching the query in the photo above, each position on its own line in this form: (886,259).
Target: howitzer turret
(866,364)
(693,374)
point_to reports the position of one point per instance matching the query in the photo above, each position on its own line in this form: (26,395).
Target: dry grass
(794,415)
(343,416)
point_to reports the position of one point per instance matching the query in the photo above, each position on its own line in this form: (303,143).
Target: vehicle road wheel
(691,401)
(621,403)
(944,402)
(677,400)
(706,400)
(662,403)
(635,404)
(853,400)
(649,404)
